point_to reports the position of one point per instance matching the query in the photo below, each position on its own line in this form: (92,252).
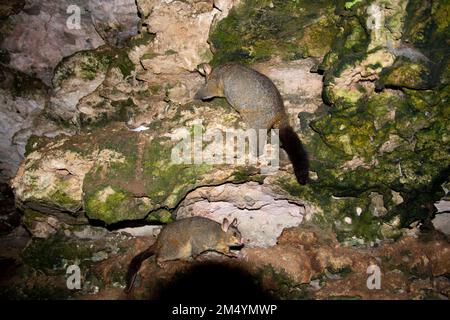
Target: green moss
(32,144)
(441,11)
(93,63)
(52,255)
(110,190)
(123,109)
(149,55)
(342,272)
(141,40)
(406,74)
(103,208)
(160,215)
(112,204)
(168,182)
(283,286)
(29,216)
(24,85)
(123,62)
(257,29)
(170,52)
(63,199)
(244,174)
(350,4)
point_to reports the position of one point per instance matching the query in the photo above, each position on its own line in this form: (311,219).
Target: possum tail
(135,265)
(291,143)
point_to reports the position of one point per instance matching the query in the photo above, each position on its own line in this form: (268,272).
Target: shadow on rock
(213,281)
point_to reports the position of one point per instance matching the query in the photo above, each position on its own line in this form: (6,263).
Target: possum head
(213,86)
(233,236)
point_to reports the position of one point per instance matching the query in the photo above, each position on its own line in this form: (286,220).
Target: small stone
(99,256)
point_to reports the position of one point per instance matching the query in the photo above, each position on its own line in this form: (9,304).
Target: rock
(88,232)
(173,23)
(144,231)
(75,78)
(51,180)
(298,237)
(253,31)
(23,115)
(168,60)
(99,256)
(261,213)
(115,21)
(437,252)
(294,262)
(327,257)
(441,221)
(14,242)
(131,177)
(413,75)
(11,7)
(39,37)
(377,204)
(40,225)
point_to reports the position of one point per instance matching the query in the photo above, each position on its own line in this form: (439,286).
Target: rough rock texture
(38,37)
(377,150)
(442,222)
(307,263)
(131,177)
(35,41)
(56,182)
(286,259)
(88,73)
(22,115)
(366,84)
(169,60)
(262,213)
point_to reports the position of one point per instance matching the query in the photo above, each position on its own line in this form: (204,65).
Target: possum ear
(208,69)
(205,69)
(234,223)
(225,224)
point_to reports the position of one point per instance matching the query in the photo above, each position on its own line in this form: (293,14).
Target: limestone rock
(294,262)
(261,213)
(41,34)
(40,225)
(51,179)
(173,22)
(76,78)
(23,114)
(442,220)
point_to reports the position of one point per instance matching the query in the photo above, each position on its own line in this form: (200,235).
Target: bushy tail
(135,265)
(296,152)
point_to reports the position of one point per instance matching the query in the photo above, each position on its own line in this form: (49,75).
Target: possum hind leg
(256,133)
(173,250)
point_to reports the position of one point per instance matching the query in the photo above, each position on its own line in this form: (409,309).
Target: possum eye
(235,234)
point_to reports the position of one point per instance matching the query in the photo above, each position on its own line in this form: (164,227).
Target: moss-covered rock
(379,142)
(255,30)
(407,74)
(147,184)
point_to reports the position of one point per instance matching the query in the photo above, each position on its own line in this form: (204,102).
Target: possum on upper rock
(259,102)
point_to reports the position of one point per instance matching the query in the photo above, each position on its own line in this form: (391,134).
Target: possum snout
(199,95)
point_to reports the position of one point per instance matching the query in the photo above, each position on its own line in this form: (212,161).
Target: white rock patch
(262,214)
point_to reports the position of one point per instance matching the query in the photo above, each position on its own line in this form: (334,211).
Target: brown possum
(259,103)
(187,238)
